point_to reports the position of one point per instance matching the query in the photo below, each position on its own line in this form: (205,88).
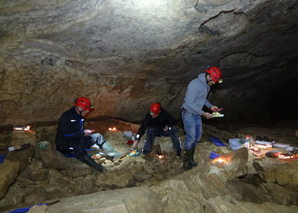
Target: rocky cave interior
(124,55)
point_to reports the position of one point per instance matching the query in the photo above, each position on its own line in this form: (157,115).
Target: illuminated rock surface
(240,183)
(124,55)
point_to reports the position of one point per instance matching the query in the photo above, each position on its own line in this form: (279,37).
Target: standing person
(158,122)
(195,99)
(72,137)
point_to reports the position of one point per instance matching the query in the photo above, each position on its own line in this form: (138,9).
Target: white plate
(216,116)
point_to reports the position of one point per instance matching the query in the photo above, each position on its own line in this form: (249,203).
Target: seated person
(72,137)
(158,122)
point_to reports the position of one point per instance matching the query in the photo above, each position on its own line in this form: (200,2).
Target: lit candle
(27,128)
(114,129)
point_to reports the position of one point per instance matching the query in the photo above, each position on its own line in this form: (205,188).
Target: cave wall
(124,55)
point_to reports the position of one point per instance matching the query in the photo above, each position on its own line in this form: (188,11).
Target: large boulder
(54,159)
(136,199)
(9,173)
(230,166)
(282,172)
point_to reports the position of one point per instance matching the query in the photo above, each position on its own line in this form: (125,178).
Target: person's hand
(88,132)
(214,108)
(135,143)
(166,128)
(207,115)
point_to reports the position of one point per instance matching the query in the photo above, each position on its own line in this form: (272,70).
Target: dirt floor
(37,183)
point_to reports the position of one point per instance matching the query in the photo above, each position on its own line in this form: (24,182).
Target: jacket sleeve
(71,130)
(143,126)
(207,104)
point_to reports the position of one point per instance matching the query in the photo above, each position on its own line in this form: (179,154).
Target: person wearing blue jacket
(71,136)
(192,111)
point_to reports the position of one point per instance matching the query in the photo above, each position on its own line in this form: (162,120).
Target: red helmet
(155,108)
(83,102)
(215,73)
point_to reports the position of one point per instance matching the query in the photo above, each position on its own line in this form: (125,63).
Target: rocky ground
(35,175)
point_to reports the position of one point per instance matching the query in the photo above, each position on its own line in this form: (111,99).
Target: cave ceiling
(126,54)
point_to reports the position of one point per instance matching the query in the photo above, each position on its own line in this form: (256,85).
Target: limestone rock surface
(125,55)
(8,174)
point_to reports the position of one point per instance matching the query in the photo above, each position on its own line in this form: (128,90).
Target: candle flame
(222,160)
(21,128)
(160,156)
(285,157)
(113,129)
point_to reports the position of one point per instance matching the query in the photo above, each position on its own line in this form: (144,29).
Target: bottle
(252,142)
(134,136)
(247,141)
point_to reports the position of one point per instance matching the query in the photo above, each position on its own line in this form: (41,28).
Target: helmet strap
(207,81)
(80,112)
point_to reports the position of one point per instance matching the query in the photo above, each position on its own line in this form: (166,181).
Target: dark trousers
(78,148)
(153,132)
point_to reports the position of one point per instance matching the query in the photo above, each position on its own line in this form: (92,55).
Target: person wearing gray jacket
(192,110)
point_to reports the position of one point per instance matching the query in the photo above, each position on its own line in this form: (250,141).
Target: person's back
(71,136)
(69,124)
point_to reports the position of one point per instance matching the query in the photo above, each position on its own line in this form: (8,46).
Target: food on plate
(96,156)
(217,114)
(133,152)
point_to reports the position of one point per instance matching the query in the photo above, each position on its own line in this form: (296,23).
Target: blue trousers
(193,129)
(153,132)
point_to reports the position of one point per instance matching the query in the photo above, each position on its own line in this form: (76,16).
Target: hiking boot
(186,160)
(111,152)
(146,153)
(91,162)
(118,156)
(178,153)
(191,161)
